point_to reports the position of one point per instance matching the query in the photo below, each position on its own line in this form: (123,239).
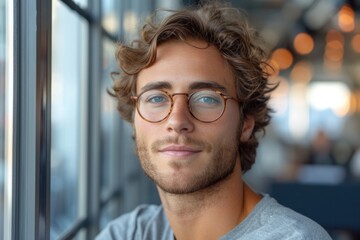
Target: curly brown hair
(221,26)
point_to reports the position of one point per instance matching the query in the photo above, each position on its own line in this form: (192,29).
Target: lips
(179,150)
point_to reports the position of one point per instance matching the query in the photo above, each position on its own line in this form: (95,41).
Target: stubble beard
(218,168)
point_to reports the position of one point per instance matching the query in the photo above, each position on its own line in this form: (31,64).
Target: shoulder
(271,220)
(291,223)
(144,222)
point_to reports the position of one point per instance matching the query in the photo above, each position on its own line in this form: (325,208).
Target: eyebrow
(193,86)
(156,85)
(207,84)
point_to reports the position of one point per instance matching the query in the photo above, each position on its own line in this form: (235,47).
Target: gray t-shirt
(268,220)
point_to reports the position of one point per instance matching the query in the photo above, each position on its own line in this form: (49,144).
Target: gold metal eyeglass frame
(171,96)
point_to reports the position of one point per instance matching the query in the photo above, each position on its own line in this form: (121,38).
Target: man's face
(181,154)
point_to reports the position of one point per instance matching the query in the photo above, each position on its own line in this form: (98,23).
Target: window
(68,118)
(2,114)
(109,116)
(111,12)
(6,118)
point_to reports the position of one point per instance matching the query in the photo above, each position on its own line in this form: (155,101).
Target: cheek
(222,134)
(229,127)
(143,130)
(222,131)
(231,121)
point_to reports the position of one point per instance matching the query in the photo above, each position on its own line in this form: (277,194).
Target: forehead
(181,64)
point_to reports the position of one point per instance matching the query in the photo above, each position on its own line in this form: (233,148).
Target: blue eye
(156,99)
(208,100)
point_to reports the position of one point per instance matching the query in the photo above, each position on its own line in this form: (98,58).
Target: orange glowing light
(332,65)
(334,35)
(357,94)
(334,50)
(335,44)
(355,43)
(303,43)
(283,58)
(346,19)
(302,72)
(334,54)
(353,103)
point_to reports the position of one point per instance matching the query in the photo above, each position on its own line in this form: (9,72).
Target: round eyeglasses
(204,105)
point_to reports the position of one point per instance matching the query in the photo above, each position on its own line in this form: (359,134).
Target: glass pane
(175,4)
(110,211)
(6,117)
(111,14)
(136,12)
(2,114)
(81,3)
(124,17)
(68,117)
(109,118)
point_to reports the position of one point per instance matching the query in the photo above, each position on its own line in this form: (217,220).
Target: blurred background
(309,158)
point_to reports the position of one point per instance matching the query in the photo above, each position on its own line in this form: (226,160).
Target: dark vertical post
(32,91)
(94,101)
(43,117)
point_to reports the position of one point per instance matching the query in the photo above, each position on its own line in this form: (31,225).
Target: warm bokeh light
(353,103)
(334,55)
(332,65)
(343,110)
(346,19)
(334,50)
(283,58)
(335,44)
(302,72)
(355,43)
(303,43)
(357,94)
(334,35)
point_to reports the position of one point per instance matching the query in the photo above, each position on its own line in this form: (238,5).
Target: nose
(180,119)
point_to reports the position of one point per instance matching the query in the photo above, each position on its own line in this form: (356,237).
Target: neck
(212,212)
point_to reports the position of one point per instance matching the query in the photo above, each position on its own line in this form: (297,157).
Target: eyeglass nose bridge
(176,94)
(173,102)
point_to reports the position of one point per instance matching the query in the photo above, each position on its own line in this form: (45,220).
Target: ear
(247,129)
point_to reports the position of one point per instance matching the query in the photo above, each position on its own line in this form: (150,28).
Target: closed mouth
(179,150)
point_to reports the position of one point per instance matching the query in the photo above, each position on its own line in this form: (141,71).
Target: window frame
(32,82)
(9,131)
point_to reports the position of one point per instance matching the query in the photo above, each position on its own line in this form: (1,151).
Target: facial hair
(217,169)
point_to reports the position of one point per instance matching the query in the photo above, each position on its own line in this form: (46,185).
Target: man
(195,89)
